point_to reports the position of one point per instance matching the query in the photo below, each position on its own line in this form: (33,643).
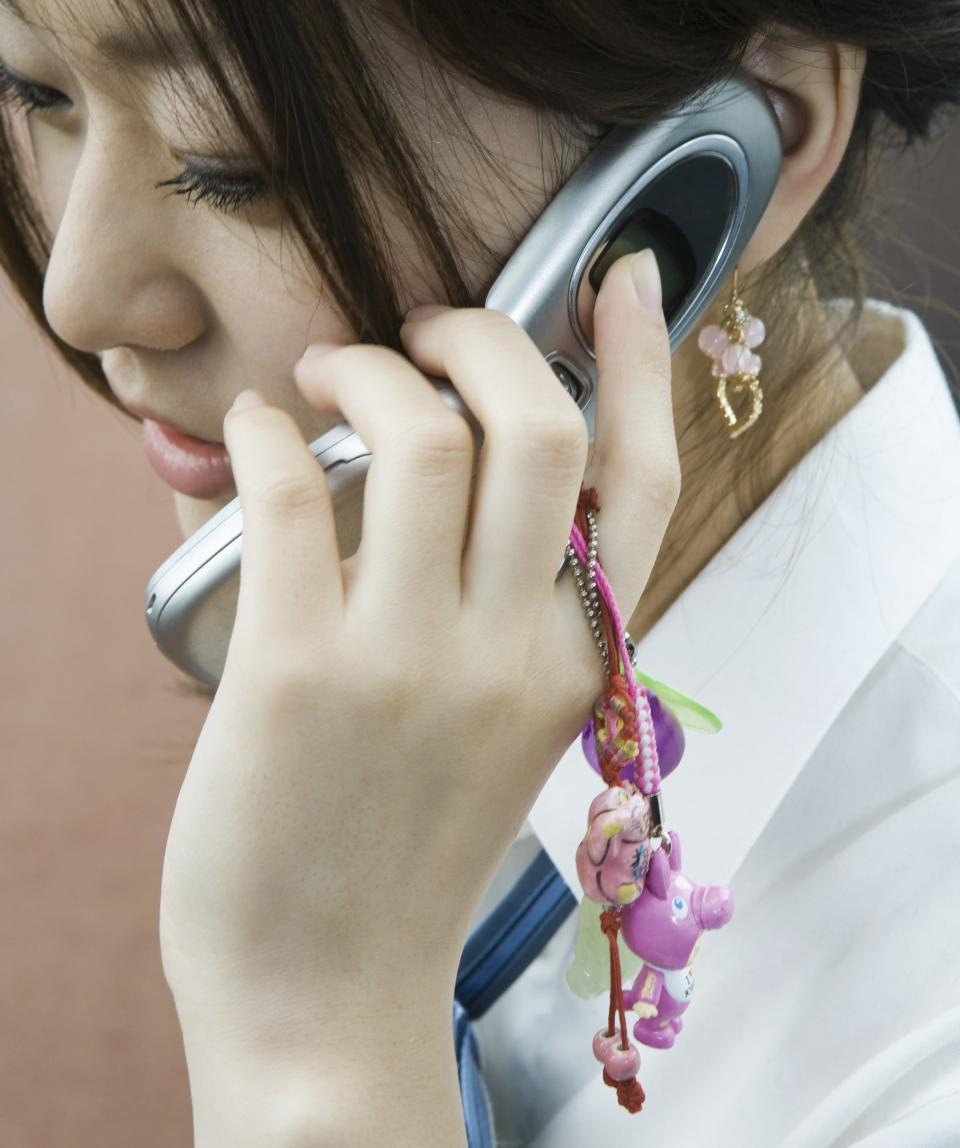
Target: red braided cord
(610,757)
(610,925)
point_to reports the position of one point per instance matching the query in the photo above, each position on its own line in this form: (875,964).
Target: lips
(197,467)
(193,466)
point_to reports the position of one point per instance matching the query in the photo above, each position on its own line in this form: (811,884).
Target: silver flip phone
(693,188)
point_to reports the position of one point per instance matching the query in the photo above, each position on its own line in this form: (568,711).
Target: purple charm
(664,926)
(667,731)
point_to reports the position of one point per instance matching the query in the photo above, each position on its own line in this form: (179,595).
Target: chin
(192,513)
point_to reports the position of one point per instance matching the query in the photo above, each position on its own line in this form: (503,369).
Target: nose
(715,906)
(112,277)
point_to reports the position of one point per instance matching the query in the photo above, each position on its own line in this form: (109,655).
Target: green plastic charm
(690,714)
(589,972)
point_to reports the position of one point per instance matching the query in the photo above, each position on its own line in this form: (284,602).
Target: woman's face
(187,306)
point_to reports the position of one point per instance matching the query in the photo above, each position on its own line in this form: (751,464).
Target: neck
(710,512)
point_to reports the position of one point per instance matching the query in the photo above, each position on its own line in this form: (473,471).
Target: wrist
(383,1073)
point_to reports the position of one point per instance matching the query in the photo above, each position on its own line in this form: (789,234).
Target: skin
(169,295)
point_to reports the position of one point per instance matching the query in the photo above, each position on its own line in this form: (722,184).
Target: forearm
(377,1079)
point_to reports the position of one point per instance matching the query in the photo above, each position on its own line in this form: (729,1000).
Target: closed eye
(33,97)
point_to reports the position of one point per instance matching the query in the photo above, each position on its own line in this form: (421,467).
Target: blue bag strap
(496,953)
(477,1110)
(501,948)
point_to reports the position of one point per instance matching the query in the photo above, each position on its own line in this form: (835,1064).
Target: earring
(735,367)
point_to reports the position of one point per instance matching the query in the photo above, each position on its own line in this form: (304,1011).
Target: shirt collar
(784,623)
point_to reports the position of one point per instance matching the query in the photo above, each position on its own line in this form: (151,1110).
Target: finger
(533,456)
(290,564)
(418,484)
(635,465)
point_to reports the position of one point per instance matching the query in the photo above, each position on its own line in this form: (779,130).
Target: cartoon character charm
(662,926)
(665,926)
(613,857)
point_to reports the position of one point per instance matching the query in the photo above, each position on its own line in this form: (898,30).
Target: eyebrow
(128,46)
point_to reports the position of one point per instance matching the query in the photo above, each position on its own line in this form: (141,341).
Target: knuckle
(291,495)
(390,688)
(662,481)
(438,444)
(276,670)
(569,434)
(556,437)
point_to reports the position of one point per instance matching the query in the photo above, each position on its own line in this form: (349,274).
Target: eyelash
(226,194)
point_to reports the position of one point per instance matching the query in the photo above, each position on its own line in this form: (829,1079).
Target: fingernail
(248,398)
(646,280)
(424,312)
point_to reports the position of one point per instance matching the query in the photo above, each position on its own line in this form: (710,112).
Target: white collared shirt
(826,636)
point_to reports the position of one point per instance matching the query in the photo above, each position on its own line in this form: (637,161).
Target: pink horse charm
(664,926)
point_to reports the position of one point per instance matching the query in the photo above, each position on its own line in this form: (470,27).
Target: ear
(814,88)
(658,876)
(674,851)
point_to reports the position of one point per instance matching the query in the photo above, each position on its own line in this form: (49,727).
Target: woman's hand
(382,728)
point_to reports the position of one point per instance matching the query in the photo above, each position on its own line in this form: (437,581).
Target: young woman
(396,733)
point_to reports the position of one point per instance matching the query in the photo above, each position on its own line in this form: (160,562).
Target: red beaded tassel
(630,1094)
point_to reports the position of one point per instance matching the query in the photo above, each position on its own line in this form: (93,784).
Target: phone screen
(675,258)
(685,210)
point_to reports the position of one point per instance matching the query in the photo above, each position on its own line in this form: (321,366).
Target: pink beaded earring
(735,366)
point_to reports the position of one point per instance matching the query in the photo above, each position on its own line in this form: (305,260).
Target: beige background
(96,730)
(95,734)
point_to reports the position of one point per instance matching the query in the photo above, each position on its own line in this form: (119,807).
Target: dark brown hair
(321,75)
